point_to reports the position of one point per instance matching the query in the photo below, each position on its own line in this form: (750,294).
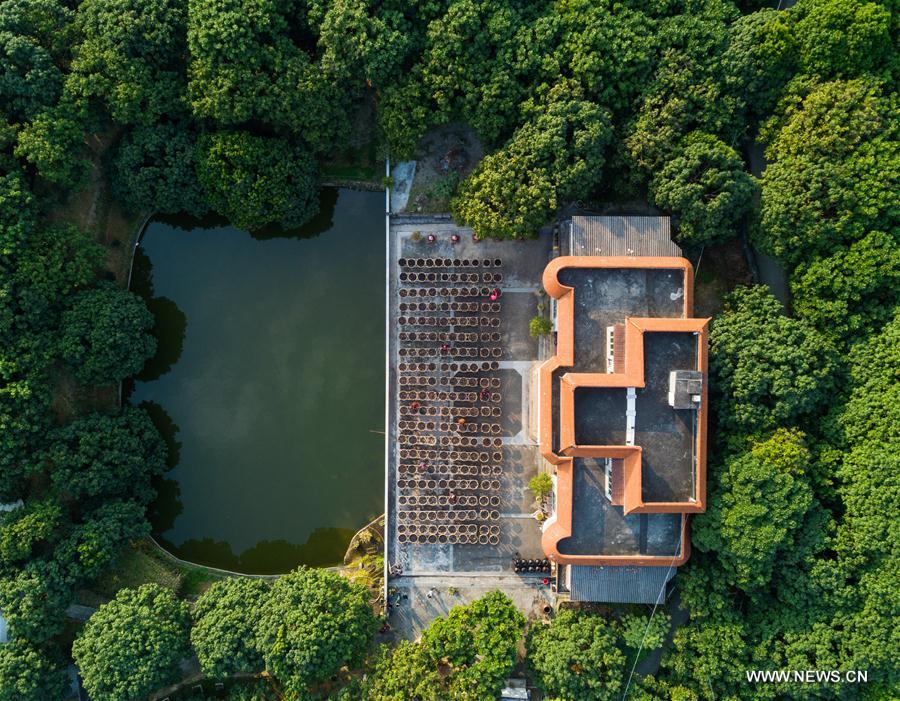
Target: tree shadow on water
(167,506)
(167,428)
(321,222)
(324,547)
(169,328)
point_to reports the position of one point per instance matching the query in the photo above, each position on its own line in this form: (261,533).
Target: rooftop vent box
(685,389)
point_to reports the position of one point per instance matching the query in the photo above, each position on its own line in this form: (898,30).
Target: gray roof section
(619,236)
(620,585)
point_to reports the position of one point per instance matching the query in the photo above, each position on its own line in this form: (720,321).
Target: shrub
(541,485)
(540,326)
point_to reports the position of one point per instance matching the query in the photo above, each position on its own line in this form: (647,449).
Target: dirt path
(93,209)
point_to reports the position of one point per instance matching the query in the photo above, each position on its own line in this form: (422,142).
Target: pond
(268,384)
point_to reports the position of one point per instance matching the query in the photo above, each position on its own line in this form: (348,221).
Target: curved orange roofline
(559,526)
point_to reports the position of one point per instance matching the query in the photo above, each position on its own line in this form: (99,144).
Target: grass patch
(431,192)
(138,565)
(141,563)
(196,580)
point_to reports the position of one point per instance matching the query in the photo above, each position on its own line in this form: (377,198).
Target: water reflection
(267,556)
(169,322)
(167,506)
(169,327)
(321,222)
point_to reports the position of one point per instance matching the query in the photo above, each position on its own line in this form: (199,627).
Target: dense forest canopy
(233,106)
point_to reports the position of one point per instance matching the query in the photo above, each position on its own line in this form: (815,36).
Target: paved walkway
(402,174)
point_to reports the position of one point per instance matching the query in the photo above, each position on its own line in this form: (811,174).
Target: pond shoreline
(268,539)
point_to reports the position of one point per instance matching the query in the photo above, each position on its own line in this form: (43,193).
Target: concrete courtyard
(429,579)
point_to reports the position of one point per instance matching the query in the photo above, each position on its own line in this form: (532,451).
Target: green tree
(852,292)
(705,185)
(608,48)
(26,527)
(50,22)
(645,633)
(748,534)
(479,63)
(256,180)
(713,654)
(833,171)
(556,155)
(155,170)
(540,326)
(363,42)
(95,544)
(28,674)
(53,143)
(688,91)
(871,414)
(577,656)
(246,66)
(405,111)
(768,370)
(29,80)
(106,335)
(313,623)
(53,263)
(860,580)
(225,618)
(133,645)
(103,456)
(541,485)
(475,646)
(466,655)
(759,61)
(24,418)
(33,603)
(132,57)
(405,672)
(17,213)
(842,38)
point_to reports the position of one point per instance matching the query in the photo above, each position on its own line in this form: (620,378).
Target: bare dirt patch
(71,398)
(717,272)
(447,154)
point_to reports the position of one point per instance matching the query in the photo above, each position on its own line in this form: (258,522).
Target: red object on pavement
(546,581)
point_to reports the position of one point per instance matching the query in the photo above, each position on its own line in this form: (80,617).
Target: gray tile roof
(619,236)
(619,585)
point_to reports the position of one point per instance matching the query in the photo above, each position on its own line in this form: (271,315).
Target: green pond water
(268,384)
